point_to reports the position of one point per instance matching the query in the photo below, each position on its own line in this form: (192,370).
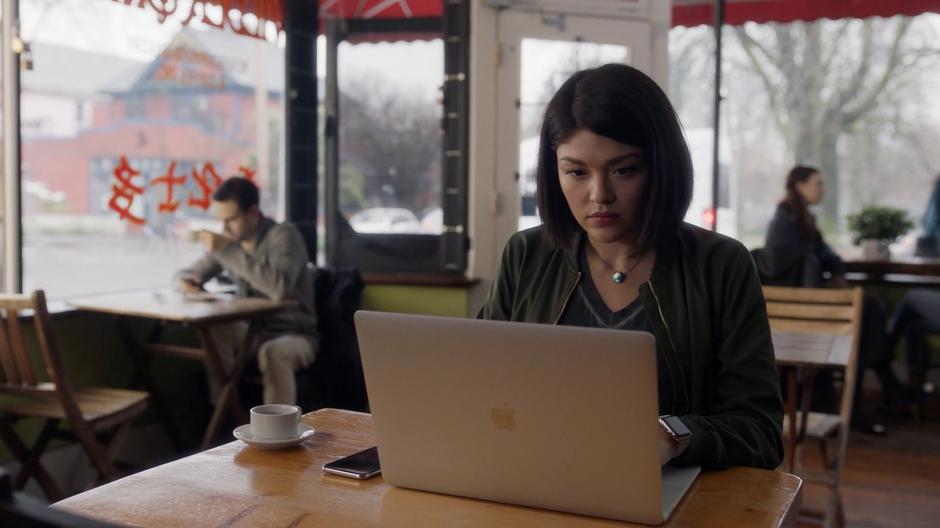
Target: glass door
(538,52)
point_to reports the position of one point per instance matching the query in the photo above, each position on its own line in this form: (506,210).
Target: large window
(394,141)
(854,97)
(128,124)
(390,135)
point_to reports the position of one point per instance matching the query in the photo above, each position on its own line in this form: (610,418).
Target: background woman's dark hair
(621,103)
(242,190)
(794,203)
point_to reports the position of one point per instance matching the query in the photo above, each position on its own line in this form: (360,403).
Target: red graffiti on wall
(202,179)
(168,205)
(247,172)
(124,192)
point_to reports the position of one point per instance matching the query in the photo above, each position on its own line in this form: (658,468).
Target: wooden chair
(809,312)
(88,411)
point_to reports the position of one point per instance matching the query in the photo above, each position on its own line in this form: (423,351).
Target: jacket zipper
(662,318)
(568,298)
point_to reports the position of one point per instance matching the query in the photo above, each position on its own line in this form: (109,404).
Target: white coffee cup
(275,421)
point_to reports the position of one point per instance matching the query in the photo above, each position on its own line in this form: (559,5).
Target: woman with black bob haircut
(614,183)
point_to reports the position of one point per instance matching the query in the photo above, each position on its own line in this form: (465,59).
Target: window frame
(445,253)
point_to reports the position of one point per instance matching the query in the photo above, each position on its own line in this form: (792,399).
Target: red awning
(684,12)
(696,12)
(368,9)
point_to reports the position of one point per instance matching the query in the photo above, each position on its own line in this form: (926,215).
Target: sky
(111,28)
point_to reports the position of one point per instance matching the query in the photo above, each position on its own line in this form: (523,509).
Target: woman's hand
(668,448)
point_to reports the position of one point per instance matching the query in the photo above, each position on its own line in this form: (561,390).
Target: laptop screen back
(562,418)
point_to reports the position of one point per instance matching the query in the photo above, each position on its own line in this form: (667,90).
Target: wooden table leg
(143,379)
(809,377)
(228,381)
(791,414)
(244,353)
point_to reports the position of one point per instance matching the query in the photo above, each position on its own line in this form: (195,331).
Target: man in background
(267,260)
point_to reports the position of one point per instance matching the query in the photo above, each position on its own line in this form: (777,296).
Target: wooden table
(901,271)
(808,352)
(172,307)
(235,485)
(896,266)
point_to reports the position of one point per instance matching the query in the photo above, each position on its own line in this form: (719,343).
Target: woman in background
(795,243)
(794,250)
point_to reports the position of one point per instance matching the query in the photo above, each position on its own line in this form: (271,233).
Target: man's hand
(212,242)
(188,285)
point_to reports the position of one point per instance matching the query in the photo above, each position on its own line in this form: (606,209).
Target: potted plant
(876,227)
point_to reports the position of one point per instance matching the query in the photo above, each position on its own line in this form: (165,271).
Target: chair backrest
(17,374)
(16,367)
(821,310)
(836,311)
(788,266)
(338,293)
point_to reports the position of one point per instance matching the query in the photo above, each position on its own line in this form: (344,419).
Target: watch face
(675,425)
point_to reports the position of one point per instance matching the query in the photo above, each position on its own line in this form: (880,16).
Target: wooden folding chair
(88,411)
(809,315)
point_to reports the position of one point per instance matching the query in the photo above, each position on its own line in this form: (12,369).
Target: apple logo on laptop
(504,419)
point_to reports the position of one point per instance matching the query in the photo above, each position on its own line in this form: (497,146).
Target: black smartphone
(361,465)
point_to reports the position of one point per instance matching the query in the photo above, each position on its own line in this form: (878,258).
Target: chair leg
(45,435)
(95,451)
(840,511)
(110,448)
(835,517)
(114,445)
(824,452)
(117,440)
(25,456)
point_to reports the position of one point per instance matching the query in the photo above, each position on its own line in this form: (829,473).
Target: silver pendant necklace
(619,276)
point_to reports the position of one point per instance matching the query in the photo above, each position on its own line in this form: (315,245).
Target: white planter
(873,249)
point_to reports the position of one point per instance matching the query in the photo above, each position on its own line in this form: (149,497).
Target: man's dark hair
(623,104)
(242,190)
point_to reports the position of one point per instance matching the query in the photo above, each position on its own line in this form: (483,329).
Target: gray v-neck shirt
(587,308)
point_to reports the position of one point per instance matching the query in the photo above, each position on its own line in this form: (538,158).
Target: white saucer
(243,433)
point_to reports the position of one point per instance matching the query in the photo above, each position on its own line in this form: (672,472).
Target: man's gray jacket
(276,269)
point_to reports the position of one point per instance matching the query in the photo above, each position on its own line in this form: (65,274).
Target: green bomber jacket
(708,315)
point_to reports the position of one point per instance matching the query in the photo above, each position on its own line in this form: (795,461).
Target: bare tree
(571,58)
(394,142)
(691,74)
(822,78)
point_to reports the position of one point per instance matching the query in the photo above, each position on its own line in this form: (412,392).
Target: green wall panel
(424,300)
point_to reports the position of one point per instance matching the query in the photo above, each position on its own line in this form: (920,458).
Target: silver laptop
(554,417)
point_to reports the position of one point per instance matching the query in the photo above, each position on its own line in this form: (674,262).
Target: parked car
(385,220)
(433,221)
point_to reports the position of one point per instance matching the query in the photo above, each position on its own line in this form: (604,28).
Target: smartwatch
(676,430)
